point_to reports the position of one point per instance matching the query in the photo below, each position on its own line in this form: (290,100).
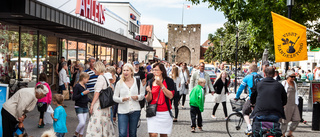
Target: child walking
(196,104)
(81,102)
(59,116)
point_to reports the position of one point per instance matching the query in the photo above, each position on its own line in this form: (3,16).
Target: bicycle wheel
(235,125)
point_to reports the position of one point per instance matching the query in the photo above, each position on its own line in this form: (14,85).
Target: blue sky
(161,12)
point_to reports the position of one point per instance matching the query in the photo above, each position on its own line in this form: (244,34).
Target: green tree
(258,14)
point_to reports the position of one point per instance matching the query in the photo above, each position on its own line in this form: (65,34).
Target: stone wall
(184,43)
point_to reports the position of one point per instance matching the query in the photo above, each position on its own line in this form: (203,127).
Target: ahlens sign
(91,9)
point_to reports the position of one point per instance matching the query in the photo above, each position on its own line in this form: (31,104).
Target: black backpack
(255,80)
(142,102)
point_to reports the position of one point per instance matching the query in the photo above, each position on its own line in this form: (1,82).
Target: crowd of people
(159,83)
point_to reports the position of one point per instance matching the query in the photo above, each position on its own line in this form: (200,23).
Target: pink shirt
(48,97)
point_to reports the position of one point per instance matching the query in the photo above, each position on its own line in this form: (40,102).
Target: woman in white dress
(220,87)
(100,123)
(184,76)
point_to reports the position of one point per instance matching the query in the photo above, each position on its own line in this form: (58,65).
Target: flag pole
(182,12)
(313,31)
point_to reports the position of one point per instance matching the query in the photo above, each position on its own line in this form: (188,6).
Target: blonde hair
(253,67)
(130,68)
(111,69)
(100,68)
(83,75)
(49,133)
(175,73)
(201,80)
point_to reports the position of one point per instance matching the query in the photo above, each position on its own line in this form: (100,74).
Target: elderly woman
(23,101)
(291,109)
(162,87)
(100,123)
(127,95)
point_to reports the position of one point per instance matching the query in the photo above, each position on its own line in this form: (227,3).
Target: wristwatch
(163,87)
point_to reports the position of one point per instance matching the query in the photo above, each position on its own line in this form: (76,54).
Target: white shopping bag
(47,119)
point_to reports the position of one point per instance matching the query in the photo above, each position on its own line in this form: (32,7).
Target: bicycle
(235,121)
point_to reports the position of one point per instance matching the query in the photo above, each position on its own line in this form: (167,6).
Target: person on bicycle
(247,80)
(269,99)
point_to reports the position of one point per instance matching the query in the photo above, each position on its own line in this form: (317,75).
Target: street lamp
(221,43)
(236,56)
(290,4)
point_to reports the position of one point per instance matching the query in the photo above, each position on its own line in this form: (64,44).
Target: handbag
(106,96)
(186,85)
(152,108)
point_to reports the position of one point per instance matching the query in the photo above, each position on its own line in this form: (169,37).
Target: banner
(290,39)
(315,92)
(4,93)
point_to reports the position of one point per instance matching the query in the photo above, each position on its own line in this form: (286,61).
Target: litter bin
(316,116)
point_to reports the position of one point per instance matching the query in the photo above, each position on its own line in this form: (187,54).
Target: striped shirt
(92,80)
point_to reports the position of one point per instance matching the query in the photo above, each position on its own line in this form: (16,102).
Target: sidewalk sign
(4,92)
(315,92)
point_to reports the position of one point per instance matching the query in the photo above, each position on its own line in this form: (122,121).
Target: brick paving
(181,128)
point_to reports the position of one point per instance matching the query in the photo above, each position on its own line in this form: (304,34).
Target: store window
(81,52)
(108,55)
(28,54)
(119,55)
(72,50)
(9,52)
(90,50)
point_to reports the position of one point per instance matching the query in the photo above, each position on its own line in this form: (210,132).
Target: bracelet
(82,94)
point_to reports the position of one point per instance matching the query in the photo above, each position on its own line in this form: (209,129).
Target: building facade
(35,34)
(184,43)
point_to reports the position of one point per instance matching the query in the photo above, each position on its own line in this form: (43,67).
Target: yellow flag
(290,39)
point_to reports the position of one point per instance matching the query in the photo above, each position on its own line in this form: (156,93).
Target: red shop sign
(91,9)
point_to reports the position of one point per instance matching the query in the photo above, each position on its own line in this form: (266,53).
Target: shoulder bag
(106,97)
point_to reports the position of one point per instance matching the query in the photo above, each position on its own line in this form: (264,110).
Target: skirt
(161,123)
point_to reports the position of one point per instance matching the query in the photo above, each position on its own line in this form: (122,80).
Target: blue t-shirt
(310,76)
(149,68)
(60,126)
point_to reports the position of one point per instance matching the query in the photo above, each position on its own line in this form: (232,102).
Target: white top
(100,84)
(317,77)
(183,76)
(178,82)
(122,90)
(63,78)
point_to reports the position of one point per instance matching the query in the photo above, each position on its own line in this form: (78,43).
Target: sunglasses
(292,76)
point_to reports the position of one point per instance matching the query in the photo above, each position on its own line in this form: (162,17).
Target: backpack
(255,80)
(142,102)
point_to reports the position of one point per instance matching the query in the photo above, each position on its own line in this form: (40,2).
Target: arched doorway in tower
(183,55)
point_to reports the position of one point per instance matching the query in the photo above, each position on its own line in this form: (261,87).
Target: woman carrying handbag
(99,115)
(160,89)
(184,76)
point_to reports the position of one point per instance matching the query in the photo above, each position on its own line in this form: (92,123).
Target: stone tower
(184,43)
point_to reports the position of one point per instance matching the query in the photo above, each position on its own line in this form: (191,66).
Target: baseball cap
(136,63)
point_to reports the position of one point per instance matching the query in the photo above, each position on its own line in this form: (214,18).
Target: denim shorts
(81,110)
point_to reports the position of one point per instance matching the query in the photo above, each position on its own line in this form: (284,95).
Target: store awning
(37,15)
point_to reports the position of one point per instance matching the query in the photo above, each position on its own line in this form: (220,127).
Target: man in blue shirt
(310,75)
(247,81)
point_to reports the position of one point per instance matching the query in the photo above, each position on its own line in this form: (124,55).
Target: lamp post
(290,4)
(221,43)
(236,56)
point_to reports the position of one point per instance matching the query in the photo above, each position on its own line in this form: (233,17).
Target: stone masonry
(184,43)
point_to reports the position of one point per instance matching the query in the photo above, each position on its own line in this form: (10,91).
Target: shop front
(34,36)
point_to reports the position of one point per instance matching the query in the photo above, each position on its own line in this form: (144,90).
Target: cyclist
(269,99)
(248,81)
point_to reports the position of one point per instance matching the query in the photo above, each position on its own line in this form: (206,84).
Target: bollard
(316,116)
(300,106)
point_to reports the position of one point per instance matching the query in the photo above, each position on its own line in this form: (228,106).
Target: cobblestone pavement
(181,128)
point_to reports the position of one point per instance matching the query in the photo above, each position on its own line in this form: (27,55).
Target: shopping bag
(65,94)
(47,119)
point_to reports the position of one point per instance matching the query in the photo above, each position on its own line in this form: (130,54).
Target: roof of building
(146,30)
(156,43)
(207,43)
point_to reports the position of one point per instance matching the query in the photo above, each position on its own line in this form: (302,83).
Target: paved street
(180,129)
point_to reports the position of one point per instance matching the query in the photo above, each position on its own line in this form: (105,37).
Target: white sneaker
(212,116)
(248,132)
